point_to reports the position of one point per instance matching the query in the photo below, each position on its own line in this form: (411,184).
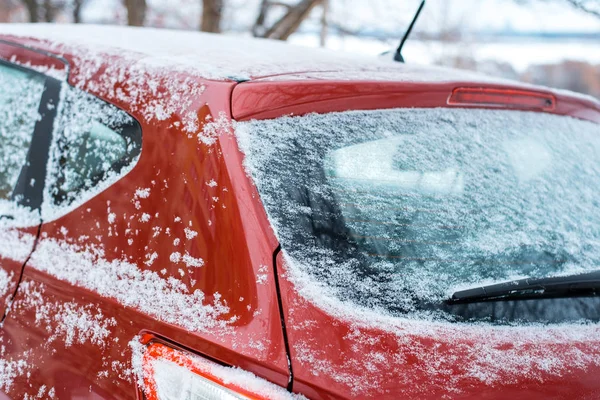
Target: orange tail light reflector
(505,98)
(171,374)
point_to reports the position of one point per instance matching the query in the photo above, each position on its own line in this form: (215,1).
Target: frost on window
(394,210)
(94,142)
(20,95)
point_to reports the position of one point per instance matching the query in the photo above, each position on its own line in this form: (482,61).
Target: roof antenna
(398,56)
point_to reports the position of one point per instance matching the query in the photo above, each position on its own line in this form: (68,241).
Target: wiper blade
(587,284)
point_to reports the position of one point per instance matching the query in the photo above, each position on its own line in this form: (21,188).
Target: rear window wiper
(587,284)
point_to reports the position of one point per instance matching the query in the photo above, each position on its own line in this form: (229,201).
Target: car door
(27,111)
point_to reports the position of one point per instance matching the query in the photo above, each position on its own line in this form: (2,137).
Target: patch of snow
(59,74)
(187,259)
(5,280)
(137,360)
(202,54)
(145,217)
(190,261)
(11,368)
(142,193)
(69,322)
(190,234)
(213,128)
(262,276)
(168,300)
(151,258)
(175,257)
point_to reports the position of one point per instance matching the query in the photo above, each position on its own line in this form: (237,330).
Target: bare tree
(7,7)
(588,6)
(136,12)
(288,23)
(41,11)
(77,5)
(49,11)
(324,23)
(212,13)
(32,10)
(258,30)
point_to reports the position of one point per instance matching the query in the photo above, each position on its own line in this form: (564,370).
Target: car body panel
(75,334)
(342,353)
(11,265)
(13,262)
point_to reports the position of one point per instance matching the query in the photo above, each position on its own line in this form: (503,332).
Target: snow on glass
(21,95)
(89,152)
(388,211)
(397,209)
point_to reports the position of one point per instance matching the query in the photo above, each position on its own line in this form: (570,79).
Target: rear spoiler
(272,99)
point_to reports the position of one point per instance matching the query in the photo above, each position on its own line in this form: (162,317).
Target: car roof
(223,57)
(238,57)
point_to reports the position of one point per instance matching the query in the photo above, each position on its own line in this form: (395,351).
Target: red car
(194,216)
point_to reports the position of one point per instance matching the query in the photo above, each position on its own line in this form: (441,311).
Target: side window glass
(94,144)
(20,96)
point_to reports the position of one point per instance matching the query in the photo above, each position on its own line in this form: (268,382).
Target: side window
(20,96)
(94,143)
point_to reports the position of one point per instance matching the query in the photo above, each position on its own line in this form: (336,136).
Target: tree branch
(586,6)
(289,22)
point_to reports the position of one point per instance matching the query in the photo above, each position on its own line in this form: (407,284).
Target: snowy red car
(193,216)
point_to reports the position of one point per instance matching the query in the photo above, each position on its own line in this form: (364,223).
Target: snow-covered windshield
(396,209)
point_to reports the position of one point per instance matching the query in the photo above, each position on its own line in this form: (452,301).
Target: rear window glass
(20,96)
(395,210)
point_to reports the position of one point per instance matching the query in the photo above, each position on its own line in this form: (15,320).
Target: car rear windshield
(396,209)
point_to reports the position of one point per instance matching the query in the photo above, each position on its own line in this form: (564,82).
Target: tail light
(171,374)
(506,98)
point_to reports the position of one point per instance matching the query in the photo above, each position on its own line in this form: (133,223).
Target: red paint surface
(235,245)
(234,240)
(13,268)
(264,100)
(345,347)
(17,53)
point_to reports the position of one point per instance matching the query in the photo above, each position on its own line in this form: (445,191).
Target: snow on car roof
(223,57)
(233,57)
